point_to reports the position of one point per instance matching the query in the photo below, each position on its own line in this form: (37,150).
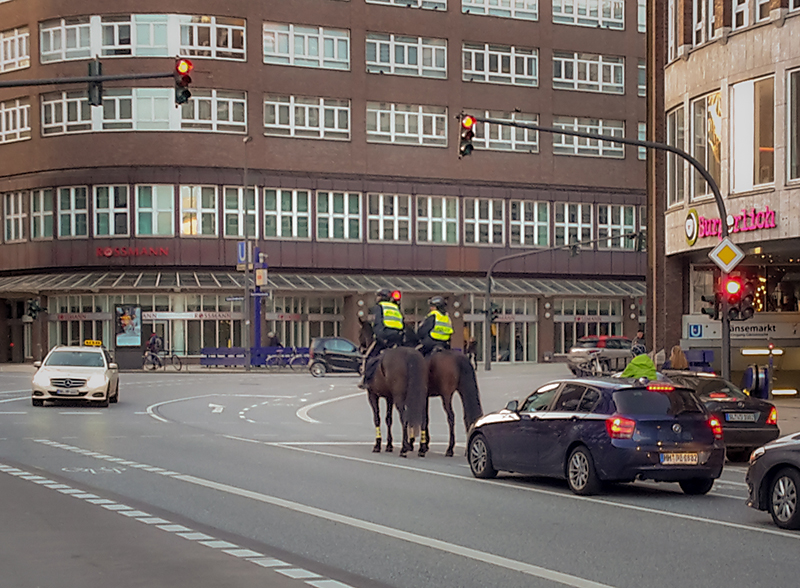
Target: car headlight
(756,454)
(96,381)
(40,379)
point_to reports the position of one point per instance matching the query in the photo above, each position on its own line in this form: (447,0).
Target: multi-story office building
(731,98)
(350,180)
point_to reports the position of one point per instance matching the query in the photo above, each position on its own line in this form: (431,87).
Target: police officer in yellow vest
(436,330)
(387,327)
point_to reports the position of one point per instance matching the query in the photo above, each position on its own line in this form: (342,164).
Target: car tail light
(660,388)
(718,395)
(716,427)
(772,419)
(620,427)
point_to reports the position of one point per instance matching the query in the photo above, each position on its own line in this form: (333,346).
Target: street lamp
(246,301)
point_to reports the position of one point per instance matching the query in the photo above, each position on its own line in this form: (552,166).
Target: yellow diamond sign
(726,255)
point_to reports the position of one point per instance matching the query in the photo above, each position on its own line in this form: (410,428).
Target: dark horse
(400,379)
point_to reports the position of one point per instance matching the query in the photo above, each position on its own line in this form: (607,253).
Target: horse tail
(416,388)
(468,389)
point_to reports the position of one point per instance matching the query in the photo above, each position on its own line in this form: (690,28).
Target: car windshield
(586,343)
(710,387)
(642,401)
(75,359)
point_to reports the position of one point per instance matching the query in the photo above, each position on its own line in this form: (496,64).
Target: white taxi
(84,373)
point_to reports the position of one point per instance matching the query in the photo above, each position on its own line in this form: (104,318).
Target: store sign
(697,328)
(132,251)
(199,315)
(699,227)
(80,316)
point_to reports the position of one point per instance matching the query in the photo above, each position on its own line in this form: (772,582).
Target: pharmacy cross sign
(726,255)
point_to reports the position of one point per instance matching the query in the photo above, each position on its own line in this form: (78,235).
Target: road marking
(15,399)
(151,409)
(11,412)
(302,414)
(216,408)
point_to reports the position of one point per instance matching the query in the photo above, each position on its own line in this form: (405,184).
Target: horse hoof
(403,454)
(389,449)
(421,453)
(376,449)
(449,453)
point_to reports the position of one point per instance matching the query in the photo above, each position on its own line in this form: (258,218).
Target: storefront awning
(208,281)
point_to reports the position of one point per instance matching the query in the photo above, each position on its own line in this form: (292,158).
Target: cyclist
(155,345)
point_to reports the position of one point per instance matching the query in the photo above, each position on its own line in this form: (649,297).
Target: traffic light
(495,311)
(95,88)
(33,309)
(396,296)
(732,290)
(183,67)
(746,307)
(713,310)
(467,133)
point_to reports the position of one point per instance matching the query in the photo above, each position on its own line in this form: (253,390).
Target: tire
(783,498)
(299,363)
(150,364)
(581,475)
(37,402)
(176,363)
(480,458)
(696,486)
(114,399)
(317,369)
(103,403)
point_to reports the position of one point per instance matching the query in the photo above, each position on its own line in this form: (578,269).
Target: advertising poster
(128,325)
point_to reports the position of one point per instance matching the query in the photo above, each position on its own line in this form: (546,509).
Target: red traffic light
(396,295)
(733,287)
(183,66)
(467,121)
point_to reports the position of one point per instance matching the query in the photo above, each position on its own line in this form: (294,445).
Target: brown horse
(400,379)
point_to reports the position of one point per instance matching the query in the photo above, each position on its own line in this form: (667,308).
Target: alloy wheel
(579,470)
(784,498)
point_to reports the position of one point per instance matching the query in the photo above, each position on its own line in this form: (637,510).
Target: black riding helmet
(439,303)
(384,295)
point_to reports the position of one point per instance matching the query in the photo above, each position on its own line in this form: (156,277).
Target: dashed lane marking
(153,407)
(302,414)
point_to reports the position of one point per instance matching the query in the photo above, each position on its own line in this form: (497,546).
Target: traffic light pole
(723,215)
(84,80)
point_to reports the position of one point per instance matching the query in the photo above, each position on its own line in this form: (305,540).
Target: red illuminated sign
(132,251)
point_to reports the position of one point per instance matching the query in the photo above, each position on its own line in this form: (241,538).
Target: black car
(773,480)
(594,430)
(333,354)
(747,422)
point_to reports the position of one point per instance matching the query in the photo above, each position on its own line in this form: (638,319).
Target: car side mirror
(37,364)
(512,406)
(113,366)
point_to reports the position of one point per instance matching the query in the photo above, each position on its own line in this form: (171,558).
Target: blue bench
(222,356)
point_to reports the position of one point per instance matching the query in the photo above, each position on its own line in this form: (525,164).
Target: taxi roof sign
(726,255)
(92,343)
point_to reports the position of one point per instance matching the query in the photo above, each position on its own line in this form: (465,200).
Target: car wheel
(696,486)
(317,369)
(480,458)
(581,475)
(37,402)
(783,499)
(114,399)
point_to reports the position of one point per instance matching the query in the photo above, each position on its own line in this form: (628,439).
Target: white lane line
(15,399)
(302,413)
(150,409)
(11,412)
(298,573)
(443,546)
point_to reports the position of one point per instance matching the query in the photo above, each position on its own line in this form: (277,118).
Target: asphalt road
(243,480)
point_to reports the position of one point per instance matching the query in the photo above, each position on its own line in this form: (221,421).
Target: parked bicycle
(154,361)
(296,358)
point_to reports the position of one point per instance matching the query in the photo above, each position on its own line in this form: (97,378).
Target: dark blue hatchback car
(597,430)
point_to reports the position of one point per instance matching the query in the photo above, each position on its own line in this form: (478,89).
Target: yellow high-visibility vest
(443,328)
(392,318)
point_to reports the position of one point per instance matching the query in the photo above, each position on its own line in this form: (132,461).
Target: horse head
(365,335)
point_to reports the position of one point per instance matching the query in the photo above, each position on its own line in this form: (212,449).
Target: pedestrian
(637,345)
(387,327)
(155,345)
(677,360)
(437,328)
(272,340)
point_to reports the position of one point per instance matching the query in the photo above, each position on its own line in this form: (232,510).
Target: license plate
(67,392)
(679,458)
(740,417)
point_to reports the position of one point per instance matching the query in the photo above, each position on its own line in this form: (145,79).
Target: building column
(5,333)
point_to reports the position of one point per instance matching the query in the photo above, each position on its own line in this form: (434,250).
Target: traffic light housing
(183,67)
(33,308)
(494,312)
(732,291)
(746,306)
(713,310)
(95,88)
(467,134)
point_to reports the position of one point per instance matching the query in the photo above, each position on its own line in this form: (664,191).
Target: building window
(304,46)
(762,8)
(339,216)
(567,145)
(42,214)
(641,15)
(65,38)
(15,51)
(215,37)
(794,124)
(642,82)
(530,223)
(15,120)
(73,213)
(198,210)
(117,109)
(307,118)
(437,220)
(521,9)
(406,124)
(676,165)
(14,216)
(504,138)
(389,217)
(608,14)
(752,130)
(155,208)
(500,64)
(215,110)
(741,13)
(406,56)
(484,221)
(240,210)
(703,18)
(66,112)
(111,209)
(151,38)
(588,72)
(116,31)
(573,223)
(706,140)
(428,4)
(286,214)
(642,130)
(614,221)
(672,30)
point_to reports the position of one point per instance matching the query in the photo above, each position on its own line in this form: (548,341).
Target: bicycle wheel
(299,362)
(150,364)
(176,362)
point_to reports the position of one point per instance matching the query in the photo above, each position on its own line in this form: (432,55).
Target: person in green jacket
(641,366)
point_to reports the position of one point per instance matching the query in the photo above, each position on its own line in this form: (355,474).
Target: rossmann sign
(132,251)
(699,227)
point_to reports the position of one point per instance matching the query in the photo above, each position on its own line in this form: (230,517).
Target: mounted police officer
(436,330)
(387,326)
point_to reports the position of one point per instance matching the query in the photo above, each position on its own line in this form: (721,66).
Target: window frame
(295,215)
(242,212)
(502,8)
(195,212)
(154,210)
(745,123)
(40,198)
(63,105)
(489,51)
(793,124)
(73,214)
(695,178)
(572,146)
(676,166)
(577,61)
(435,116)
(394,220)
(499,135)
(610,232)
(14,217)
(445,219)
(15,49)
(518,208)
(423,4)
(307,103)
(393,43)
(472,218)
(15,120)
(304,33)
(581,225)
(215,25)
(112,210)
(62,29)
(235,102)
(347,216)
(574,18)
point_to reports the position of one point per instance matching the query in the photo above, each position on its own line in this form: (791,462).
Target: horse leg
(447,404)
(424,438)
(406,445)
(376,417)
(389,409)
